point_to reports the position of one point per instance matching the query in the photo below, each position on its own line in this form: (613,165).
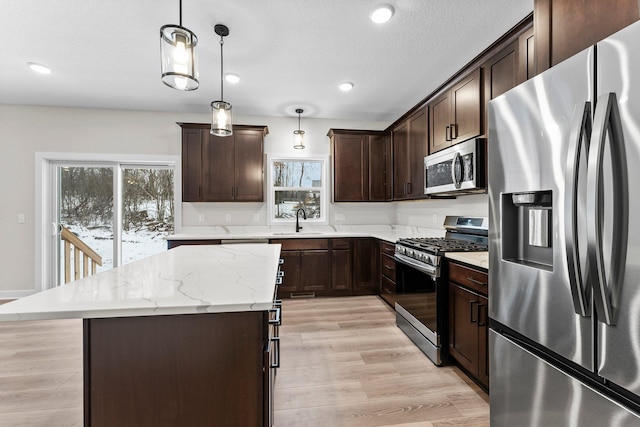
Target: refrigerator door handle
(607,287)
(578,144)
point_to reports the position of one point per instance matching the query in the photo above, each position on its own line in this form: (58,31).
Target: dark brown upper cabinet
(409,149)
(216,169)
(456,114)
(509,64)
(526,55)
(361,163)
(566,27)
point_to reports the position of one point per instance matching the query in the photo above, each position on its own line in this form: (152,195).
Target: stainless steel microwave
(457,170)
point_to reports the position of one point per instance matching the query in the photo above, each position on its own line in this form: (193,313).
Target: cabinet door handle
(408,188)
(447,133)
(277,320)
(471,304)
(482,318)
(454,131)
(476,282)
(276,349)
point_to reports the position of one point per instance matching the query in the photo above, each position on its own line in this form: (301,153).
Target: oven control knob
(411,253)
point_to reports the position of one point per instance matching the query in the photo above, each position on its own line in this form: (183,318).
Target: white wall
(431,213)
(25,130)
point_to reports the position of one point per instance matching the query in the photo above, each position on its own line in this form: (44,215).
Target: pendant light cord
(221,69)
(180,13)
(299,122)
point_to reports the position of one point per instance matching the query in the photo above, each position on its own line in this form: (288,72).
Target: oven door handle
(431,271)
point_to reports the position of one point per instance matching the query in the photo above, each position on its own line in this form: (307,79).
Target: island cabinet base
(180,370)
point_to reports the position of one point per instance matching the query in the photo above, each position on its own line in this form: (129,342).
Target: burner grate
(443,244)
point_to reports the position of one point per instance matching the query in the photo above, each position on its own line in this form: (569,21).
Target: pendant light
(178,55)
(221,124)
(298,135)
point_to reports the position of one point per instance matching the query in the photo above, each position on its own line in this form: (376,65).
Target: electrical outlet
(21,218)
(201,217)
(227,217)
(256,217)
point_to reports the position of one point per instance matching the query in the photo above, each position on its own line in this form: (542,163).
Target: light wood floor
(344,363)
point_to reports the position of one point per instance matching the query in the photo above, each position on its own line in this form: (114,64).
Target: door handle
(578,144)
(447,133)
(476,282)
(471,304)
(607,292)
(454,131)
(482,318)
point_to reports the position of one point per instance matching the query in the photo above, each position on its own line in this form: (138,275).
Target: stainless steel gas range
(421,294)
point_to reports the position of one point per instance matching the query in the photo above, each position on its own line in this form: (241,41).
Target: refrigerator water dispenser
(527,227)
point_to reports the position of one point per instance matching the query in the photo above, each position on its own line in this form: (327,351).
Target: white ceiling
(288,53)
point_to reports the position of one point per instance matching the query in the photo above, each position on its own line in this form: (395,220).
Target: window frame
(324,189)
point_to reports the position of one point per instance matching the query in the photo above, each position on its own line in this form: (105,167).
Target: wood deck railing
(81,254)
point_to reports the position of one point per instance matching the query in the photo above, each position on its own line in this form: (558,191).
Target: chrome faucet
(304,215)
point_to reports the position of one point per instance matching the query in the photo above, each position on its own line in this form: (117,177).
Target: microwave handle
(456,178)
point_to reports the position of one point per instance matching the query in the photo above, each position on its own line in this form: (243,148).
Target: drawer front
(388,291)
(469,277)
(389,267)
(302,244)
(387,248)
(341,243)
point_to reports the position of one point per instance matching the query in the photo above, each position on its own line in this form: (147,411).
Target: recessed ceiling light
(381,14)
(346,86)
(39,68)
(232,78)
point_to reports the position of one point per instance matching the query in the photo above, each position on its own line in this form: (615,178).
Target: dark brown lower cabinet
(342,269)
(315,270)
(365,265)
(328,267)
(179,370)
(387,267)
(291,268)
(468,324)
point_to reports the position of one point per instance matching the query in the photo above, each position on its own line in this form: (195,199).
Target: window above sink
(297,182)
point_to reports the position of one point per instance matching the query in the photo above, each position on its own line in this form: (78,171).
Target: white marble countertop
(389,233)
(185,280)
(478,259)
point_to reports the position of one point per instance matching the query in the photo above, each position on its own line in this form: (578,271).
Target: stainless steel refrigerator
(564,242)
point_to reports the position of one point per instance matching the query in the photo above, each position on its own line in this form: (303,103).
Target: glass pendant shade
(221,119)
(298,139)
(298,135)
(178,56)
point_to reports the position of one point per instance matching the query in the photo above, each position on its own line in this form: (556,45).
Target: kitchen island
(179,338)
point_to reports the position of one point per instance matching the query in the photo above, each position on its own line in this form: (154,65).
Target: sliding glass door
(108,214)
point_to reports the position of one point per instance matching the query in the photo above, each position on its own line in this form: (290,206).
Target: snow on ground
(135,244)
